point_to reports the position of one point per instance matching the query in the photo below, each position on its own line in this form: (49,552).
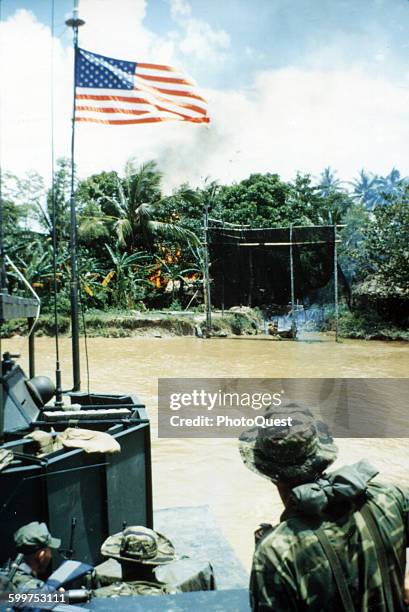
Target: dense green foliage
(139,248)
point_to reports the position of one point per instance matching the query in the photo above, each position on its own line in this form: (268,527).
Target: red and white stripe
(160,93)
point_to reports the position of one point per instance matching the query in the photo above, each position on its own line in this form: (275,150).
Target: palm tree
(365,189)
(328,182)
(134,210)
(391,186)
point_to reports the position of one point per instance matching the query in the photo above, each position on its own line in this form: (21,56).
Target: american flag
(119,92)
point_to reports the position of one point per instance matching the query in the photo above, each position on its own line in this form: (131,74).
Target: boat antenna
(3,275)
(74,22)
(58,388)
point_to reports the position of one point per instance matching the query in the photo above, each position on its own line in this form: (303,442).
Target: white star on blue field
(102,72)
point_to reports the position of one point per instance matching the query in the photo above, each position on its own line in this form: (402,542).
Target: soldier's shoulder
(23,581)
(5,583)
(281,543)
(387,494)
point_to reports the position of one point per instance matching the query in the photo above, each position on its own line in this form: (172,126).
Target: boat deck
(193,532)
(232,600)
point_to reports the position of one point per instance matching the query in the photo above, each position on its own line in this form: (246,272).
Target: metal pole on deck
(75,22)
(3,275)
(292,280)
(336,283)
(206,278)
(31,351)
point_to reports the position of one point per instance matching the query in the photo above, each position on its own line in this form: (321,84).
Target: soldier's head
(36,543)
(139,550)
(288,455)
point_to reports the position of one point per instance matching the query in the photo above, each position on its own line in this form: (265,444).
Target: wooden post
(223,291)
(292,281)
(206,278)
(336,284)
(249,297)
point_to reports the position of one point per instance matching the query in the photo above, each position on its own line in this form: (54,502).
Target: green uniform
(24,579)
(156,570)
(29,539)
(137,587)
(291,572)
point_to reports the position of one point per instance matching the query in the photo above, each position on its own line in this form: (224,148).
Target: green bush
(368,326)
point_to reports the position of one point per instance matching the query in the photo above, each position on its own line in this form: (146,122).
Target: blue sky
(292,84)
(268,34)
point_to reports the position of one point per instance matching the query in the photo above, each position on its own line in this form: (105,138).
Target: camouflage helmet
(139,545)
(294,454)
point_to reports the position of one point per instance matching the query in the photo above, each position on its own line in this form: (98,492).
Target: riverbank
(238,321)
(368,326)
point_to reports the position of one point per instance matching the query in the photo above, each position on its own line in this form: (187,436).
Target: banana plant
(122,274)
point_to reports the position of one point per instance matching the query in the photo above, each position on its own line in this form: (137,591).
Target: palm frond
(113,255)
(171,231)
(123,230)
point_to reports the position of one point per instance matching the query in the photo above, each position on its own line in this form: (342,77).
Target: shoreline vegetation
(142,267)
(233,322)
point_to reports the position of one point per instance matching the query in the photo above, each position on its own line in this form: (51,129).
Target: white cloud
(197,39)
(180,8)
(26,65)
(306,120)
(291,119)
(202,41)
(115,28)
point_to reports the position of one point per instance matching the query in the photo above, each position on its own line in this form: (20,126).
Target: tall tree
(365,189)
(134,210)
(391,186)
(328,182)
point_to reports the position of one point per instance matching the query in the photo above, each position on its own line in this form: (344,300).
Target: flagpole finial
(75,21)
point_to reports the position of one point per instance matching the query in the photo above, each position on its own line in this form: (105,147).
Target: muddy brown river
(188,472)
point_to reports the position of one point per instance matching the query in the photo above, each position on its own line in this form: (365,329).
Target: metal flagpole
(75,22)
(336,283)
(3,275)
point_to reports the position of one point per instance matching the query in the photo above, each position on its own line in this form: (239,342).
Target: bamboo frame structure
(291,244)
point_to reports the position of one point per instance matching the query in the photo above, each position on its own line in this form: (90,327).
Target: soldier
(35,542)
(149,566)
(341,540)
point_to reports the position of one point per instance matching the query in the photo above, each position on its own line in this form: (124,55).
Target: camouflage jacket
(180,575)
(139,587)
(292,573)
(24,579)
